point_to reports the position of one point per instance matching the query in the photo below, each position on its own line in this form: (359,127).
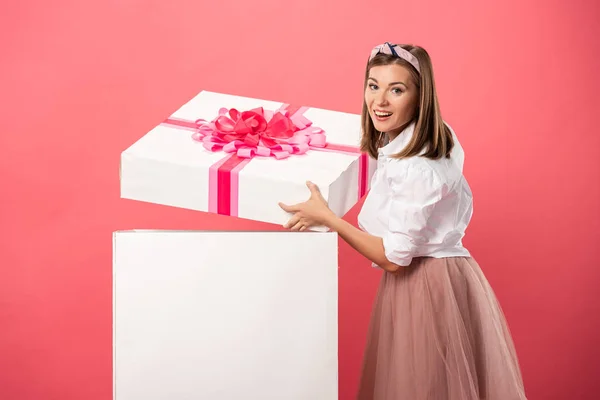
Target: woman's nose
(381,99)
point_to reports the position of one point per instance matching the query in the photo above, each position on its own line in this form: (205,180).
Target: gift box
(241,156)
(225,315)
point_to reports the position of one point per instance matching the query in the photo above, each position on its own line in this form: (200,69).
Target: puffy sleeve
(414,193)
(457,154)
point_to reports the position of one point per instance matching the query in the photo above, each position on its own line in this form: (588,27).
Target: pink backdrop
(82,80)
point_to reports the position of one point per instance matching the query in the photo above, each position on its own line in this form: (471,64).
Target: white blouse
(420,207)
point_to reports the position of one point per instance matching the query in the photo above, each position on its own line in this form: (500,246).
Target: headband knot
(396,51)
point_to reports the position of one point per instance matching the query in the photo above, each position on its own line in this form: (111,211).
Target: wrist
(329,220)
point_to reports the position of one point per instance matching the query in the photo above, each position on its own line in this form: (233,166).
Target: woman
(436,330)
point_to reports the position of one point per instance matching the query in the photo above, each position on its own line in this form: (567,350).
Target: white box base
(225,315)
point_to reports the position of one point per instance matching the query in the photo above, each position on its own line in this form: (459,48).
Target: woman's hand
(313,212)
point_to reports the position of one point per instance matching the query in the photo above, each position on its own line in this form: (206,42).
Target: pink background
(82,80)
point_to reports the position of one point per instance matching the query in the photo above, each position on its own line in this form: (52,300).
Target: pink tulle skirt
(437,332)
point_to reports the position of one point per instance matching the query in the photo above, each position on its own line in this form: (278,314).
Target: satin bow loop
(259,132)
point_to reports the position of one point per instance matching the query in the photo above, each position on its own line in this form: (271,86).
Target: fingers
(292,222)
(296,224)
(314,189)
(290,208)
(299,226)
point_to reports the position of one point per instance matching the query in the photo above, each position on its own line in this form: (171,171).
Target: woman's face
(391,98)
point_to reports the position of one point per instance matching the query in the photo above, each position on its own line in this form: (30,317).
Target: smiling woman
(390,113)
(397,112)
(398,91)
(437,330)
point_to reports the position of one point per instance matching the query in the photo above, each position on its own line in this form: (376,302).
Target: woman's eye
(397,91)
(373,87)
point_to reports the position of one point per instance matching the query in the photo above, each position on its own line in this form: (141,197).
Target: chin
(384,126)
(381,128)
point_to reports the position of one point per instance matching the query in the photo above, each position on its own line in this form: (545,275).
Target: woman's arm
(414,193)
(316,212)
(368,245)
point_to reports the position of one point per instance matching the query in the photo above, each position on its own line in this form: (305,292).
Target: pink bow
(259,132)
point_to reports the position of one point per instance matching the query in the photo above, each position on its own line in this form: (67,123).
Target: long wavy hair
(432,138)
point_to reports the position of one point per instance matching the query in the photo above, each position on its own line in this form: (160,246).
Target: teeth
(382,114)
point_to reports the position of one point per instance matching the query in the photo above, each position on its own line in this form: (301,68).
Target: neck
(394,134)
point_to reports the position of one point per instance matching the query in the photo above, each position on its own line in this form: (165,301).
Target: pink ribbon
(259,132)
(263,133)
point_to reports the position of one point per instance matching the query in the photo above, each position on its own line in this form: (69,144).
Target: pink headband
(395,50)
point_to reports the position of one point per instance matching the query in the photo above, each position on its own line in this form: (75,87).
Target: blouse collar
(399,142)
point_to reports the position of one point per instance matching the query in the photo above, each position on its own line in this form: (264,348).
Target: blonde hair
(431,133)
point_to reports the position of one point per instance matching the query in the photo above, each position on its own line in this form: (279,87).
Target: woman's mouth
(382,115)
